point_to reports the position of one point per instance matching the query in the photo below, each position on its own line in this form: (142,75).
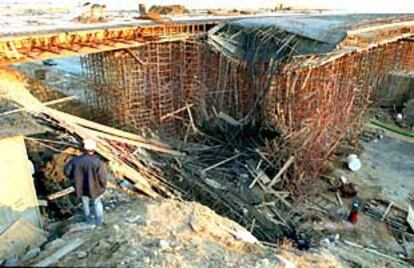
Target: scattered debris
(396,217)
(135,219)
(81,254)
(52,259)
(352,244)
(61,193)
(244,236)
(164,245)
(253,153)
(167,238)
(348,189)
(79,227)
(32,253)
(19,237)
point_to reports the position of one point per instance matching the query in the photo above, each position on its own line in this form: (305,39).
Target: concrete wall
(17,192)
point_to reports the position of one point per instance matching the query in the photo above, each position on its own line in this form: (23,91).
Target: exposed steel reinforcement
(319,106)
(315,106)
(142,87)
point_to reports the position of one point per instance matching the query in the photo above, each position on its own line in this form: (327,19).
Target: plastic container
(353,162)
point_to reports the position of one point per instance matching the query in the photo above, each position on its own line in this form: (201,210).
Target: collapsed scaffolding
(258,113)
(251,135)
(312,102)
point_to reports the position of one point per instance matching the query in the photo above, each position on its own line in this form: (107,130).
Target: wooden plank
(137,143)
(104,149)
(61,193)
(193,126)
(176,112)
(384,216)
(220,163)
(265,158)
(106,129)
(410,217)
(340,202)
(375,252)
(55,257)
(260,176)
(65,99)
(281,171)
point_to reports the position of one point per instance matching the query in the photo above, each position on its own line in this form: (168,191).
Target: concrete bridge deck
(39,43)
(34,43)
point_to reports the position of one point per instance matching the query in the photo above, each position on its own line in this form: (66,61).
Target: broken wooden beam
(384,216)
(55,257)
(340,202)
(176,112)
(115,134)
(60,194)
(260,176)
(48,103)
(104,148)
(147,146)
(281,171)
(204,171)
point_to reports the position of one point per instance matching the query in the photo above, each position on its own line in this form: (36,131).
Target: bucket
(353,162)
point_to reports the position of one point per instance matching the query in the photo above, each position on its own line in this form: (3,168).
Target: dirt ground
(387,169)
(389,163)
(386,173)
(140,232)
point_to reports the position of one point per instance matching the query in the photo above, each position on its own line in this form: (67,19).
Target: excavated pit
(212,108)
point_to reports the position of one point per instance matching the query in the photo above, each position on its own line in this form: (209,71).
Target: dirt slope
(140,232)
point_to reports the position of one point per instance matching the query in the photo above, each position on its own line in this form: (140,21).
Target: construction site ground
(274,137)
(386,174)
(387,169)
(141,232)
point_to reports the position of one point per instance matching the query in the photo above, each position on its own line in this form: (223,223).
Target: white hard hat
(89,145)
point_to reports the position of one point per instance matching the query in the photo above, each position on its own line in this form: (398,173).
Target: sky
(388,6)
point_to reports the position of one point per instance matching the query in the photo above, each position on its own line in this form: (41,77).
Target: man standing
(89,177)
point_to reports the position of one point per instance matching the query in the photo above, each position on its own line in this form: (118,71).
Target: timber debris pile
(263,122)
